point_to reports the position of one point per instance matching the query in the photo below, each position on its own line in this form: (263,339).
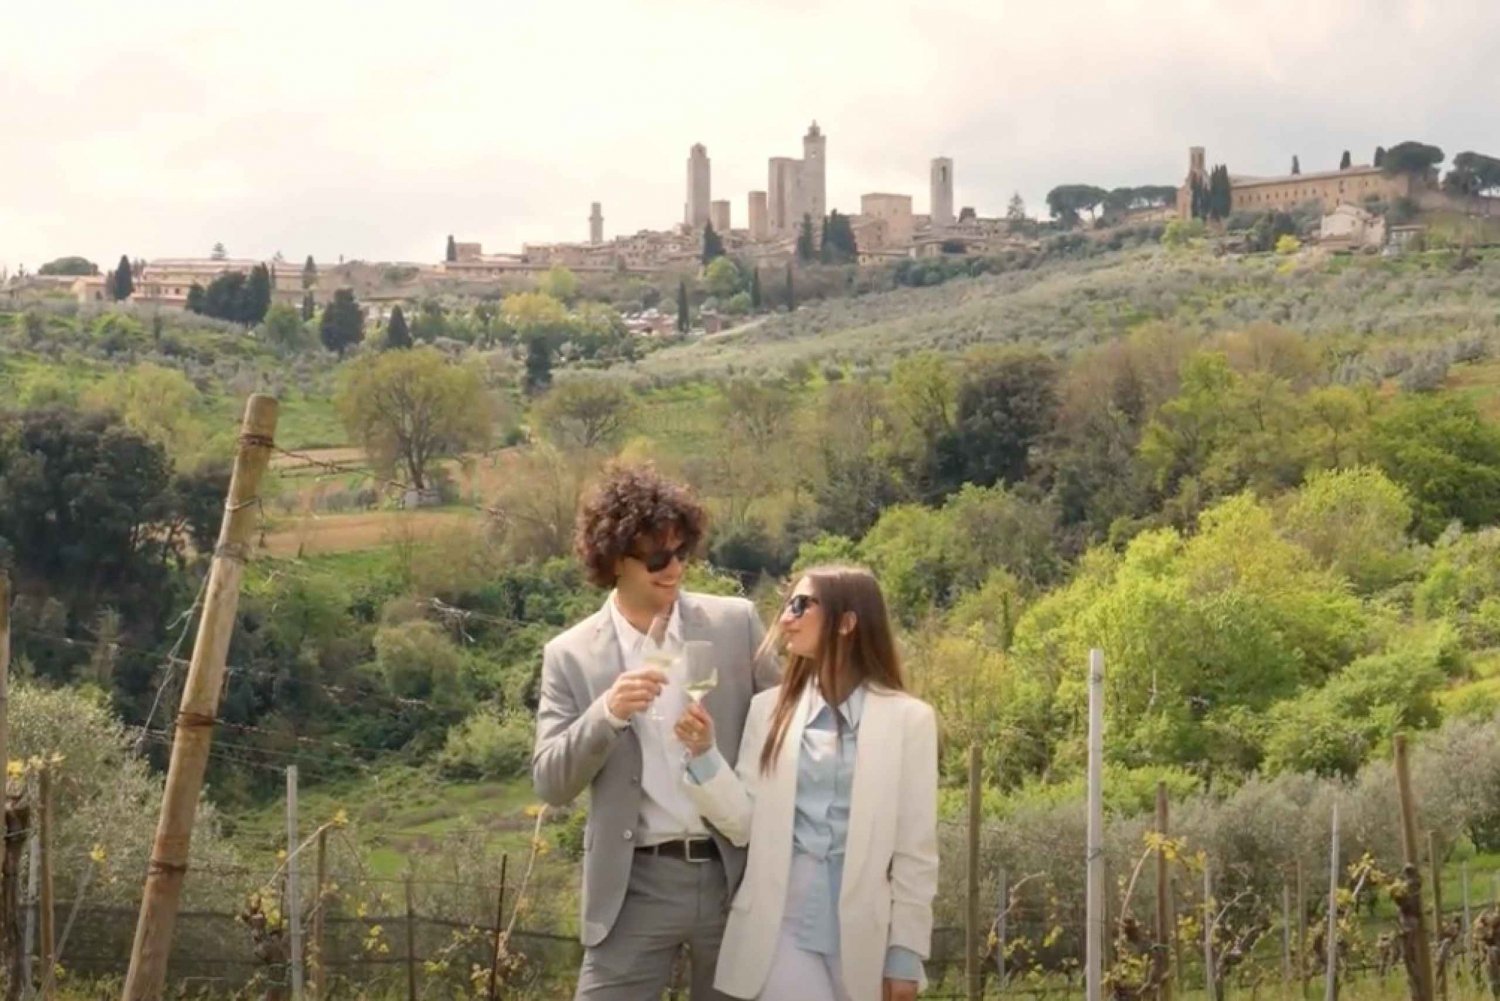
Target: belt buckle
(687,850)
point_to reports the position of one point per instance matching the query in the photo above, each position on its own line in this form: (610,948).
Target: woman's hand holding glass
(695,729)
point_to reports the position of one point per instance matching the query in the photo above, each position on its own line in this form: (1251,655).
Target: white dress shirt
(667,813)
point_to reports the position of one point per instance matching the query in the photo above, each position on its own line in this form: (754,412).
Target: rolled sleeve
(903,964)
(703,767)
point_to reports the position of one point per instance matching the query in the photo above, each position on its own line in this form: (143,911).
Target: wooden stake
(411,944)
(4,674)
(1463,878)
(1331,937)
(1208,930)
(1301,933)
(293,908)
(1436,865)
(44,835)
(149,952)
(1094,910)
(1409,856)
(1164,929)
(499,931)
(1286,936)
(320,908)
(971,911)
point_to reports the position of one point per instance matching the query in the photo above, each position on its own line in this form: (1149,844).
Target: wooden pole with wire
(146,977)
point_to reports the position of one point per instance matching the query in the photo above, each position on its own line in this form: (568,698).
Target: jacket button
(629,835)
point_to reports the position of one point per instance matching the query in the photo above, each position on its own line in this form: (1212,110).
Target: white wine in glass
(700,671)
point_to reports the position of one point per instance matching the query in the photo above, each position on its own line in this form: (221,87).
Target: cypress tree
(791,290)
(397,335)
(309,273)
(1296,166)
(713,245)
(806,248)
(451,254)
(256,297)
(1379,156)
(124,283)
(682,306)
(755,288)
(1345,161)
(308,306)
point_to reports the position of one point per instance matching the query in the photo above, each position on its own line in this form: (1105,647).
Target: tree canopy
(407,409)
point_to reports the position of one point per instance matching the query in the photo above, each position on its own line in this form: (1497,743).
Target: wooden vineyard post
(1331,938)
(971,909)
(1440,975)
(499,930)
(411,944)
(318,960)
(146,977)
(1164,930)
(1414,922)
(1094,897)
(46,922)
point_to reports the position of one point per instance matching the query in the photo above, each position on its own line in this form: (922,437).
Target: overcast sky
(373,129)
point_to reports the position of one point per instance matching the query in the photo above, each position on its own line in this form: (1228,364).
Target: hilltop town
(1383,206)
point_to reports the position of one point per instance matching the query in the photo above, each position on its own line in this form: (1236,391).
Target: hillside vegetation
(1267,487)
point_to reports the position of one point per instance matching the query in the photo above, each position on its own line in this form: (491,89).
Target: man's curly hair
(633,502)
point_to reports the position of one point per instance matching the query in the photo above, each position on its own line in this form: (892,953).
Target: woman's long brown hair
(867,654)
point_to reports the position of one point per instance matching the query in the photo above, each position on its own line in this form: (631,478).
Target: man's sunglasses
(658,561)
(799,603)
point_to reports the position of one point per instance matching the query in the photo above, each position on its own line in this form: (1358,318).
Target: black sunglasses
(798,604)
(658,561)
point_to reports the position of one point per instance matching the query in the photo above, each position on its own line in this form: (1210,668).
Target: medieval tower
(942,192)
(815,173)
(596,225)
(696,214)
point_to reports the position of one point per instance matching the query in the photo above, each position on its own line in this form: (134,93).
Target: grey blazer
(577,749)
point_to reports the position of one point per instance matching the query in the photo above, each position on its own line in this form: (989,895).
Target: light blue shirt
(820,830)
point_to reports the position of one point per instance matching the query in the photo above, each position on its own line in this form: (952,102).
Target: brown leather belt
(688,850)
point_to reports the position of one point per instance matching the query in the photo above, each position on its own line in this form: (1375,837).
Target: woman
(836,795)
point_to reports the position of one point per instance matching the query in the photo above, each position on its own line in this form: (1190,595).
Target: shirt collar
(632,638)
(852,709)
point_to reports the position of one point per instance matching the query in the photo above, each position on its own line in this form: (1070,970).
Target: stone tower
(760,228)
(815,173)
(718,214)
(942,192)
(596,225)
(696,214)
(784,201)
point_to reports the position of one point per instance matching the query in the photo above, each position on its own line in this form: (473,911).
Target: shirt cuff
(614,721)
(903,964)
(705,766)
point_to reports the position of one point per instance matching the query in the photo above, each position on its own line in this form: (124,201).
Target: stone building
(718,215)
(784,195)
(942,192)
(695,215)
(760,229)
(885,221)
(596,225)
(797,188)
(1328,189)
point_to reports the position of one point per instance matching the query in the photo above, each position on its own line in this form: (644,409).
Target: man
(655,875)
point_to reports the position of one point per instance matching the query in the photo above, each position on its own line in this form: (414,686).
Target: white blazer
(891,859)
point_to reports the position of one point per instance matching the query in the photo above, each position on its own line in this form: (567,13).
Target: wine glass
(661,654)
(700,669)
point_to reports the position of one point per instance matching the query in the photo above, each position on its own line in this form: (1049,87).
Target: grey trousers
(668,903)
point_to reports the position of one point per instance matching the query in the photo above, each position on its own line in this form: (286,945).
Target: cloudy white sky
(372,129)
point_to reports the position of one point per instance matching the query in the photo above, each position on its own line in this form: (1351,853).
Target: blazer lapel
(872,774)
(605,660)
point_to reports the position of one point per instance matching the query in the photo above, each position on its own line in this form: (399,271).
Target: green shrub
(488,745)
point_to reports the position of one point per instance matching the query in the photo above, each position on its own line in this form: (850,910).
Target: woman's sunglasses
(799,603)
(658,561)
